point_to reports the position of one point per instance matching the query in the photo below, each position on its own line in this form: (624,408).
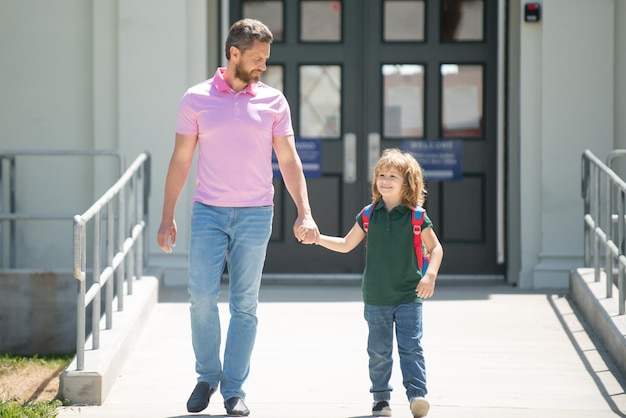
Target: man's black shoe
(235,407)
(199,399)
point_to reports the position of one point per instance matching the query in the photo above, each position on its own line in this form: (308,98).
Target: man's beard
(247,78)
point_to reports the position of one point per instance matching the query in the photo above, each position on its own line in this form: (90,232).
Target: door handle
(373,151)
(349,158)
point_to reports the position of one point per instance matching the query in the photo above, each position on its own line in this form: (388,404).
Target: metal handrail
(9,214)
(125,256)
(604,196)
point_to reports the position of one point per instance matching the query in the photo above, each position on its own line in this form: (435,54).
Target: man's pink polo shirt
(235,132)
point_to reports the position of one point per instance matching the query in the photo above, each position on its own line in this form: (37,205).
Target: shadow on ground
(446,290)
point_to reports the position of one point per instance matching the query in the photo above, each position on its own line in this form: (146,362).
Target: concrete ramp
(601,312)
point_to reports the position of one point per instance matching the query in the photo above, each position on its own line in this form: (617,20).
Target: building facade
(523,98)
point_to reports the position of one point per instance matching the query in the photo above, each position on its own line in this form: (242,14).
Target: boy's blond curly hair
(414,189)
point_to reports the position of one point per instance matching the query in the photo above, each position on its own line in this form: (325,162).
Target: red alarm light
(532,12)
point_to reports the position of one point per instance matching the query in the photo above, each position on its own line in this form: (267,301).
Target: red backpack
(417,219)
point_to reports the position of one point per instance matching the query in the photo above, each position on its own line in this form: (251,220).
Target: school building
(499,98)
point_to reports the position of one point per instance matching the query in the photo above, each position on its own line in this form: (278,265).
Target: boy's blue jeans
(237,237)
(408,325)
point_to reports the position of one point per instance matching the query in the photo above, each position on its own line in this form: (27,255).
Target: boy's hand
(426,287)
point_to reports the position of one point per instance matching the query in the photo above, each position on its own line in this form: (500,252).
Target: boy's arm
(426,286)
(342,244)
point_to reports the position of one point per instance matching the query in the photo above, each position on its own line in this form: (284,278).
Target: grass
(11,364)
(29,409)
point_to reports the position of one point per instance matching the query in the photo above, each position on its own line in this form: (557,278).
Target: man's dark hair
(244,32)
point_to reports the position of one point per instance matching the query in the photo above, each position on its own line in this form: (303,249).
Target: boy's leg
(379,348)
(409,334)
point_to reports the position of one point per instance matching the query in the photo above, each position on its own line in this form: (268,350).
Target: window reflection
(320,101)
(403,98)
(268,12)
(462,20)
(462,101)
(404,20)
(320,21)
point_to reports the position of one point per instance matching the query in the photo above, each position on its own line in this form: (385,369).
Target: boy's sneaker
(381,409)
(419,407)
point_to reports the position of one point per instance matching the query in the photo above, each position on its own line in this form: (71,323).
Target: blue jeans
(237,238)
(408,325)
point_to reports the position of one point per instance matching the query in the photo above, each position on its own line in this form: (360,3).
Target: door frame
(500,222)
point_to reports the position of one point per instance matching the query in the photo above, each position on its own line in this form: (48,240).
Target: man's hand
(167,235)
(305,230)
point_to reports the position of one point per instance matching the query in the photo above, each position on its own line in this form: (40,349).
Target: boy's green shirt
(391,272)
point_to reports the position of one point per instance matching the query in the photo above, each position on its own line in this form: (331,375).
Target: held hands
(305,230)
(303,237)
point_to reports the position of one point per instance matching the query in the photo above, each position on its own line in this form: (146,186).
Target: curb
(601,312)
(102,366)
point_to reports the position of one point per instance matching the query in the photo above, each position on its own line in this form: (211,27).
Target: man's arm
(177,173)
(304,229)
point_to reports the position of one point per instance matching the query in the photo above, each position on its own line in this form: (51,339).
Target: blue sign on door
(440,158)
(310,152)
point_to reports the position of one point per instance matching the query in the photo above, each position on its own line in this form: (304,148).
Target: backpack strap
(365,216)
(420,249)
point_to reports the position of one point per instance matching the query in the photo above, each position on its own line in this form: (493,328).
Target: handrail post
(586,209)
(141,187)
(80,301)
(12,205)
(130,258)
(596,211)
(608,218)
(121,220)
(146,204)
(621,203)
(97,301)
(109,251)
(2,204)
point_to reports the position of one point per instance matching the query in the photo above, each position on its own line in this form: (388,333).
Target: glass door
(432,75)
(316,60)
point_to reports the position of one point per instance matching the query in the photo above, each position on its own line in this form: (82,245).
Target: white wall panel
(567,105)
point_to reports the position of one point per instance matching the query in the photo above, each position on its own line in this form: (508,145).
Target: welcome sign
(440,158)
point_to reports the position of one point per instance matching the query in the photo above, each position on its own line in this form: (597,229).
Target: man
(235,121)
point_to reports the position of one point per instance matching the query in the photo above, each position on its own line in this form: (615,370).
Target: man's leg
(250,229)
(206,264)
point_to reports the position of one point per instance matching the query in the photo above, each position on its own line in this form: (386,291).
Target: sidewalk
(492,351)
